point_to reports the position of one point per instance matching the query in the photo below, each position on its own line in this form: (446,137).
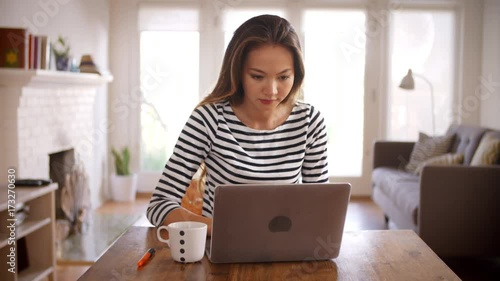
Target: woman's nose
(271,87)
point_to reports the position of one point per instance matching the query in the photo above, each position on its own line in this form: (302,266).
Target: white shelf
(22,77)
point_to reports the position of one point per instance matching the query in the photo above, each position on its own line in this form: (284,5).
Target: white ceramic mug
(186,240)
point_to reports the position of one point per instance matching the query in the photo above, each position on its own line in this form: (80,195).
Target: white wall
(490,85)
(470,37)
(86,25)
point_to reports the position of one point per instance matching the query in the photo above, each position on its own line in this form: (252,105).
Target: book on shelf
(40,52)
(20,49)
(13,47)
(34,61)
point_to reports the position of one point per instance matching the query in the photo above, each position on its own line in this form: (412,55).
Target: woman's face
(268,76)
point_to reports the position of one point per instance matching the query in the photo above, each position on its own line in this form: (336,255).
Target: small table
(364,255)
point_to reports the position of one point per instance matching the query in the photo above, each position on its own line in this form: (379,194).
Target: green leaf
(126,160)
(122,161)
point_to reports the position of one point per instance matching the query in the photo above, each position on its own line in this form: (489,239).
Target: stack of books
(20,49)
(87,65)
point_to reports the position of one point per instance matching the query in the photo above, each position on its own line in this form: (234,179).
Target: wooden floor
(362,214)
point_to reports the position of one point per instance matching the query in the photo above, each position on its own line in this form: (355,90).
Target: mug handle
(159,236)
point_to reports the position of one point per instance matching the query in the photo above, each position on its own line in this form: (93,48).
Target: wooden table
(364,255)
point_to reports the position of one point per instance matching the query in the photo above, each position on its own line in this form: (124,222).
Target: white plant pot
(123,188)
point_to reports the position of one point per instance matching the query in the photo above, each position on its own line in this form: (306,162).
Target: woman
(251,128)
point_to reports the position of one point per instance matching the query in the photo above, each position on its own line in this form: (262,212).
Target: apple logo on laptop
(280,224)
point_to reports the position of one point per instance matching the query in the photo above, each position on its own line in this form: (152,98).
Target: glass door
(423,41)
(334,52)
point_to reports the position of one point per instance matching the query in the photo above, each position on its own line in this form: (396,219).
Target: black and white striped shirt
(234,153)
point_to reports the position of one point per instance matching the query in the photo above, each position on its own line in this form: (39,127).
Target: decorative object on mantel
(87,65)
(61,52)
(123,183)
(74,65)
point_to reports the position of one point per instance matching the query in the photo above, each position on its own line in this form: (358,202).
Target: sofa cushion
(445,159)
(401,187)
(466,140)
(427,147)
(493,134)
(487,152)
(496,135)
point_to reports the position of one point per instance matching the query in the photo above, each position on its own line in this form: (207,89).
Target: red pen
(147,256)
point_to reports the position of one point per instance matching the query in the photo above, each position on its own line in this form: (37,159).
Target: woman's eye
(284,77)
(257,77)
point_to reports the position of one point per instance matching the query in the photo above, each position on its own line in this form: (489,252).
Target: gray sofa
(454,209)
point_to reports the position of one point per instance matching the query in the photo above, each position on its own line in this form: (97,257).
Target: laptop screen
(277,222)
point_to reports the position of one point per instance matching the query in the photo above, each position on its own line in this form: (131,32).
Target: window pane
(334,51)
(169,83)
(157,16)
(424,42)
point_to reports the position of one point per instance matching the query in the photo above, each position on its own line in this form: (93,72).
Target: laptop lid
(277,222)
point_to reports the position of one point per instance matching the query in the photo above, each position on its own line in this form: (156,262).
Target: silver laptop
(277,222)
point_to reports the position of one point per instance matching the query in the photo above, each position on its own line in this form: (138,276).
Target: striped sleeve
(315,166)
(191,149)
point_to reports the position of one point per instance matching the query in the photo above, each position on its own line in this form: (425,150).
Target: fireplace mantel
(42,112)
(21,77)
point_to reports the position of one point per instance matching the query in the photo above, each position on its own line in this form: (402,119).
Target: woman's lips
(264,101)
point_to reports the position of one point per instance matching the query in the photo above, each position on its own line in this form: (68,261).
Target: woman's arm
(315,165)
(191,149)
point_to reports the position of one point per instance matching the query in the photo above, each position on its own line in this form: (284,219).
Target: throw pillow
(442,160)
(487,152)
(427,147)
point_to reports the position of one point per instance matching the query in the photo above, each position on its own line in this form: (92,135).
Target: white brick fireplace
(44,112)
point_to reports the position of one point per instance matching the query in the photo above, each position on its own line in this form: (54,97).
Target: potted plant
(61,53)
(123,183)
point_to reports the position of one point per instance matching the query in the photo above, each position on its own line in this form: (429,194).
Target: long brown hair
(259,30)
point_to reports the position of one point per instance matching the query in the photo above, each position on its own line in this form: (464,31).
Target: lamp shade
(407,82)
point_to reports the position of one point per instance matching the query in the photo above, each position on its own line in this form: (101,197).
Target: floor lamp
(408,83)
